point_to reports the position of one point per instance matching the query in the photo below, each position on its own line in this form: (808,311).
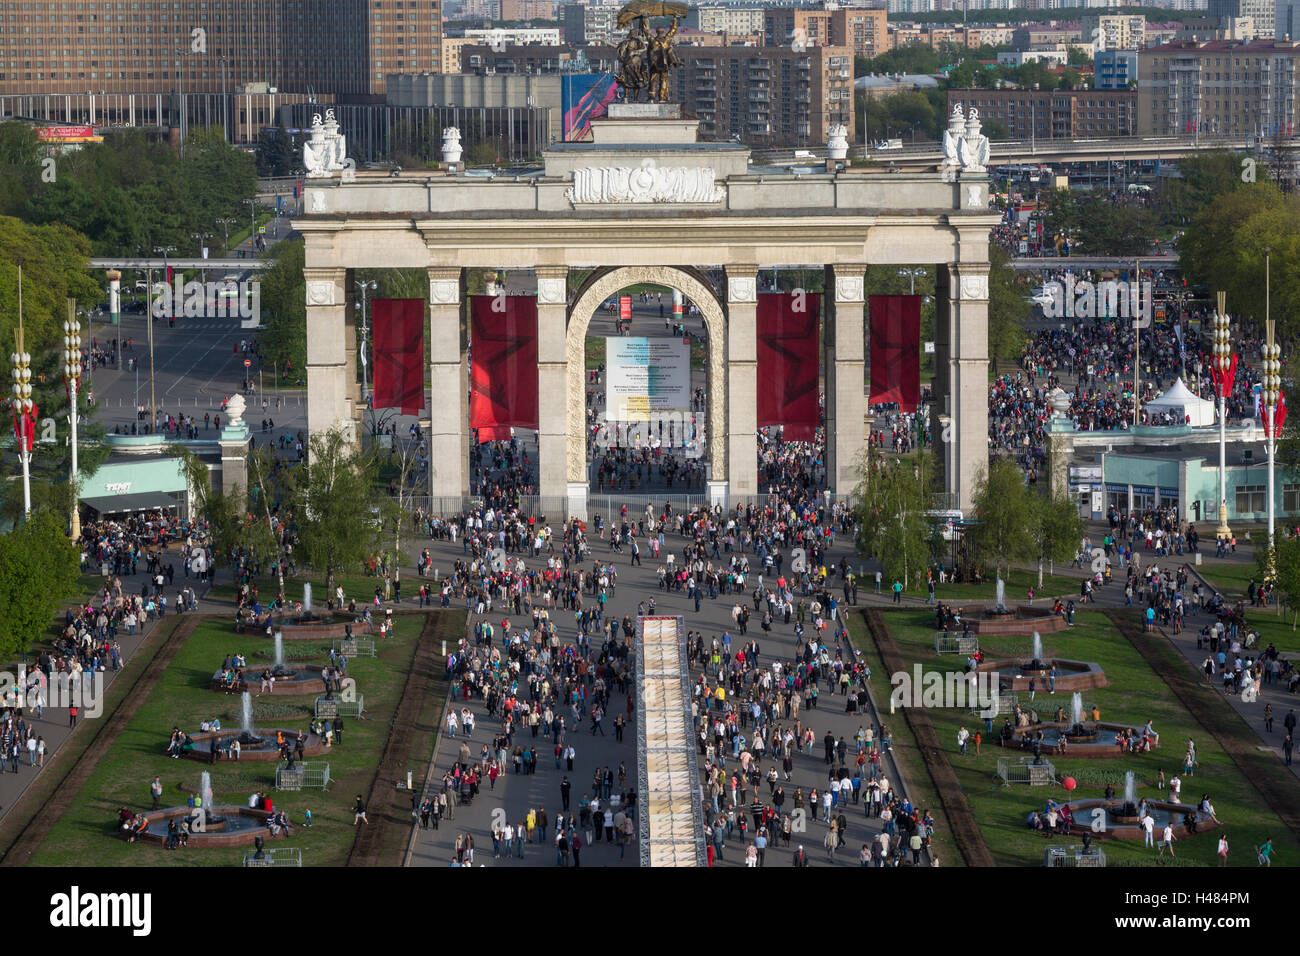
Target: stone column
(1060,445)
(967,372)
(846,403)
(329,402)
(449,392)
(234,460)
(552,388)
(941,389)
(742,384)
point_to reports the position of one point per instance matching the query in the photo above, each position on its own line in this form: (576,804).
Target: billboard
(645,376)
(583,97)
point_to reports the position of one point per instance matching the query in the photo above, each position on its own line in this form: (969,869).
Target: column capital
(552,285)
(850,282)
(322,286)
(552,272)
(444,285)
(742,283)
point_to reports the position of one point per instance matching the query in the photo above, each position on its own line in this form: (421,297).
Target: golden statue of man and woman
(646,59)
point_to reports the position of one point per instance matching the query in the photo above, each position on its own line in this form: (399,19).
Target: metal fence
(355,647)
(945,642)
(608,505)
(1063,856)
(338,707)
(1025,770)
(303,776)
(279,856)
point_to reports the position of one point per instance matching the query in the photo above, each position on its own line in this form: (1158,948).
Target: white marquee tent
(1180,400)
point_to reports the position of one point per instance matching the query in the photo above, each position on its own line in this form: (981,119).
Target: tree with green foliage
(333,496)
(1281,565)
(39,570)
(893,500)
(1200,181)
(1008,309)
(283,341)
(1004,510)
(1057,530)
(277,153)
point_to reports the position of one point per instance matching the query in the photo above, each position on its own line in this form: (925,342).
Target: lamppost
(149,320)
(225,222)
(911,275)
(252,223)
(24,412)
(1272,382)
(365,287)
(72,372)
(1221,361)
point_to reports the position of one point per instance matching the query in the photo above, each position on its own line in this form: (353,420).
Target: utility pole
(1137,345)
(149,320)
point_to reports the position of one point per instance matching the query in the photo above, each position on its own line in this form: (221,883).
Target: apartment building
(1223,87)
(734,21)
(864,31)
(524,10)
(1114,31)
(767,96)
(1053,114)
(1114,69)
(587,23)
(343,47)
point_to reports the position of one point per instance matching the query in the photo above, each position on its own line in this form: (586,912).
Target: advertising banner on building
(503,365)
(644,376)
(788,363)
(895,322)
(398,328)
(584,97)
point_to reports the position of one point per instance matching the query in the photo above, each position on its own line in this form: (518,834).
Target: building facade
(343,47)
(1218,88)
(767,96)
(1114,69)
(864,31)
(1054,114)
(736,21)
(1115,31)
(587,23)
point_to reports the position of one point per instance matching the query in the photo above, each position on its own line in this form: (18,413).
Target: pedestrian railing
(355,646)
(336,706)
(1034,771)
(1062,856)
(279,856)
(303,776)
(945,642)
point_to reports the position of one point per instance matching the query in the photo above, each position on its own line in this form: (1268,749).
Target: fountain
(306,599)
(1001,605)
(246,736)
(208,827)
(205,796)
(999,611)
(1128,810)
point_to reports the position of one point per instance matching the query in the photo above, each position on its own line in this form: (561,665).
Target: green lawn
(359,586)
(1134,695)
(86,832)
(1017,586)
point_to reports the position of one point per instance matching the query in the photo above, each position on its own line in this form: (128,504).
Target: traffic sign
(248,363)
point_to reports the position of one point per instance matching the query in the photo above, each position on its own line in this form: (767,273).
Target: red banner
(1279,414)
(788,363)
(398,329)
(1223,382)
(503,367)
(895,350)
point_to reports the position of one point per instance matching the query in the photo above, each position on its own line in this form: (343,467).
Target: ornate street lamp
(72,373)
(24,414)
(1272,388)
(1223,365)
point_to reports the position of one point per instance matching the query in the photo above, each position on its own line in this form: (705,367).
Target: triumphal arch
(646,201)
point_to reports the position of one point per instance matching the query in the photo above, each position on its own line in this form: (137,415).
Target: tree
(1008,309)
(332,494)
(55,268)
(276,154)
(1057,529)
(1004,509)
(39,569)
(1281,565)
(1116,230)
(284,309)
(893,498)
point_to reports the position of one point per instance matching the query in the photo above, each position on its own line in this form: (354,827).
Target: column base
(717,493)
(577,499)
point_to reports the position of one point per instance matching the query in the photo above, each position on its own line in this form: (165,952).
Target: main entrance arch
(599,287)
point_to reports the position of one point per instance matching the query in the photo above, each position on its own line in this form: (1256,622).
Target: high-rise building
(1286,25)
(734,21)
(1263,12)
(1223,87)
(863,30)
(1115,31)
(588,23)
(342,47)
(767,96)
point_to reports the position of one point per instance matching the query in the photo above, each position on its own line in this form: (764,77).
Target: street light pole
(23,414)
(1222,362)
(365,287)
(72,370)
(1272,388)
(149,319)
(1137,344)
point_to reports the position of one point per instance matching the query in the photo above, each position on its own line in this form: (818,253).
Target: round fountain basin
(267,750)
(303,679)
(1070,675)
(1120,826)
(238,825)
(1101,744)
(1021,619)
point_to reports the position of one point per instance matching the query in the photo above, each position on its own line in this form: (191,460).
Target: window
(1291,499)
(1251,498)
